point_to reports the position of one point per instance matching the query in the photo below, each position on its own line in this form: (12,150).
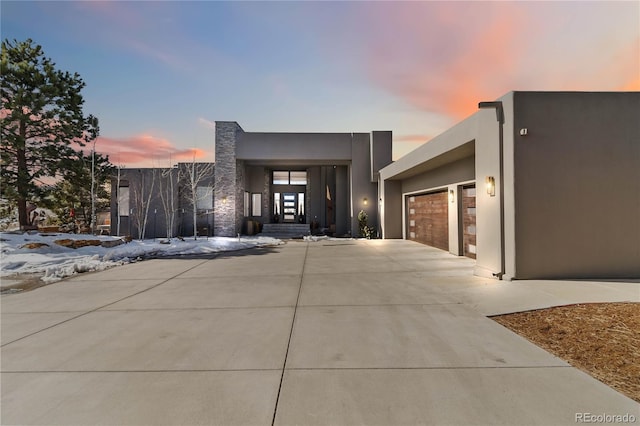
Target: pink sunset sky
(159,74)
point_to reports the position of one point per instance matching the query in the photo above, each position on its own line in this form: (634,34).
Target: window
(123,201)
(281,178)
(289,178)
(298,178)
(204,198)
(276,203)
(301,203)
(256,204)
(247,200)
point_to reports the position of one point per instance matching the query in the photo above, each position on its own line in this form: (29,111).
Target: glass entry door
(289,207)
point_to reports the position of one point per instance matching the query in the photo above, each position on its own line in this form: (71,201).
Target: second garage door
(469,221)
(428,219)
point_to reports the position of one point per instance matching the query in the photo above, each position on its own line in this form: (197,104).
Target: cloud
(627,63)
(163,31)
(145,150)
(143,29)
(445,57)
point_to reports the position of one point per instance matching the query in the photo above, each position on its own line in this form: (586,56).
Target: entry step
(285,230)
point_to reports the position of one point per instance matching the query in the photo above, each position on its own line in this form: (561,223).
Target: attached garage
(546,213)
(427,219)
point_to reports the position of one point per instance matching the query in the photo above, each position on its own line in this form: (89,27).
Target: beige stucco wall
(487,162)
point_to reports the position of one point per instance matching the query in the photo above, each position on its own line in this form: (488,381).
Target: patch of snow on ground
(57,262)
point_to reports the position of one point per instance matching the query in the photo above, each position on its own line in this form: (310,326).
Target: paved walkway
(327,332)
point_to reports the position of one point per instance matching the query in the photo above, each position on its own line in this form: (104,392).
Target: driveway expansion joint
(505,367)
(102,307)
(293,322)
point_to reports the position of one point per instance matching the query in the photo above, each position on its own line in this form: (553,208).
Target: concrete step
(285,230)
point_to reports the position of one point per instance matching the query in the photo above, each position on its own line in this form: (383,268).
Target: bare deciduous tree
(142,197)
(167,187)
(199,187)
(118,197)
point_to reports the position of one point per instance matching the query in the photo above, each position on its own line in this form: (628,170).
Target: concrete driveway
(329,332)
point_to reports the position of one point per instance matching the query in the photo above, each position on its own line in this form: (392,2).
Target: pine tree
(41,118)
(74,190)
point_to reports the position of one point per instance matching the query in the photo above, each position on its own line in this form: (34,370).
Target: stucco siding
(294,146)
(458,171)
(577,180)
(361,186)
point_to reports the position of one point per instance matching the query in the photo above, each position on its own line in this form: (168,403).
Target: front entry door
(289,207)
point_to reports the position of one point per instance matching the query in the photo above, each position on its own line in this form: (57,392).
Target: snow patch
(57,262)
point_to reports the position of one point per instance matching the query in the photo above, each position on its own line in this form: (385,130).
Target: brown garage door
(428,219)
(469,221)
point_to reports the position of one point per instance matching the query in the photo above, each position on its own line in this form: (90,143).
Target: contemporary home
(533,185)
(306,182)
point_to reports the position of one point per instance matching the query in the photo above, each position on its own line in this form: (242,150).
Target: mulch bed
(601,339)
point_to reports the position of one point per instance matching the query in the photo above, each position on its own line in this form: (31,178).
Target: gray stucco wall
(381,152)
(343,221)
(457,171)
(391,209)
(315,191)
(282,147)
(151,180)
(361,186)
(257,181)
(577,185)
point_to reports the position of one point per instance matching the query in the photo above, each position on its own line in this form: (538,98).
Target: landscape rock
(34,245)
(65,243)
(85,243)
(74,244)
(111,243)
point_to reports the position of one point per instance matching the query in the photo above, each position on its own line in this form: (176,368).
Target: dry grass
(602,339)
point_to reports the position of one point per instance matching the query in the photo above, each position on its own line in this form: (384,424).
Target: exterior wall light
(490,182)
(224,200)
(365,201)
(451,196)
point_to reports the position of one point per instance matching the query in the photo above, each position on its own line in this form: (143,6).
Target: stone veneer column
(226,176)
